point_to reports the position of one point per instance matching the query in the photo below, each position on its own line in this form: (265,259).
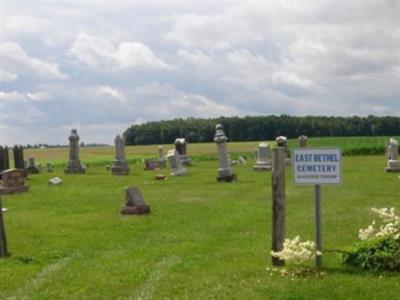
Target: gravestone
(161,158)
(281,141)
(135,204)
(393,165)
(181,147)
(176,164)
(74,165)
(4,159)
(119,166)
(225,171)
(303,140)
(263,162)
(32,168)
(55,181)
(242,160)
(13,182)
(150,164)
(19,157)
(49,167)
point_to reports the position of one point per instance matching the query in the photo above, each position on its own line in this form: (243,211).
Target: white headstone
(175,163)
(225,171)
(55,181)
(393,164)
(263,162)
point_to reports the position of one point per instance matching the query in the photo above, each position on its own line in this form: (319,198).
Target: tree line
(256,128)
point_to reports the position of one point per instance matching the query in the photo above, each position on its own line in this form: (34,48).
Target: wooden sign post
(278,202)
(317,166)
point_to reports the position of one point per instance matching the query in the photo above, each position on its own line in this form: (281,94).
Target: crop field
(104,155)
(202,239)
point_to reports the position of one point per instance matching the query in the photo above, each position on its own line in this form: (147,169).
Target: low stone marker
(242,160)
(393,165)
(13,182)
(74,165)
(176,164)
(49,167)
(135,204)
(150,164)
(55,181)
(181,147)
(263,162)
(225,171)
(120,166)
(32,168)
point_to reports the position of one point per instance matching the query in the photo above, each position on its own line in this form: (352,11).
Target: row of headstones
(28,166)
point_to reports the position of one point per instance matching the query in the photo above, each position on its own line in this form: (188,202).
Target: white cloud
(196,58)
(292,83)
(100,53)
(15,96)
(40,96)
(211,32)
(8,76)
(18,61)
(105,91)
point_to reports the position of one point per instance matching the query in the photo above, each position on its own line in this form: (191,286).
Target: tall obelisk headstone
(263,162)
(74,164)
(393,164)
(119,166)
(225,171)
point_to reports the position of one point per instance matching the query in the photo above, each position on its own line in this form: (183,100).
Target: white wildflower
(297,251)
(389,228)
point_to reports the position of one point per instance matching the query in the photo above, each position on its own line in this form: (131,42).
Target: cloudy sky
(100,66)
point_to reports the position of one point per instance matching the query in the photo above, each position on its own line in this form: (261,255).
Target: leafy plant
(380,250)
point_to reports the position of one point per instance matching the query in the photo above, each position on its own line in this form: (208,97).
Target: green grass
(202,240)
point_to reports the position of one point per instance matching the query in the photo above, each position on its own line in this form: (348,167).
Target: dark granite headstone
(150,164)
(19,157)
(3,159)
(135,204)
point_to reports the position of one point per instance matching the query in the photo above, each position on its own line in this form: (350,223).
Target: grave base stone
(393,166)
(77,169)
(13,182)
(227,178)
(119,168)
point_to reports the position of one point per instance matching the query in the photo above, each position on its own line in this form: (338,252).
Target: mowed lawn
(202,240)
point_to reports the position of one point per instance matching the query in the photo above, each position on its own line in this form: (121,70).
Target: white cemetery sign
(317,166)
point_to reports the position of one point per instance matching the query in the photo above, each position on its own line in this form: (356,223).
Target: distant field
(202,240)
(104,155)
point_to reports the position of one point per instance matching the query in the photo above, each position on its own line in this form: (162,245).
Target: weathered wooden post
(3,240)
(278,200)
